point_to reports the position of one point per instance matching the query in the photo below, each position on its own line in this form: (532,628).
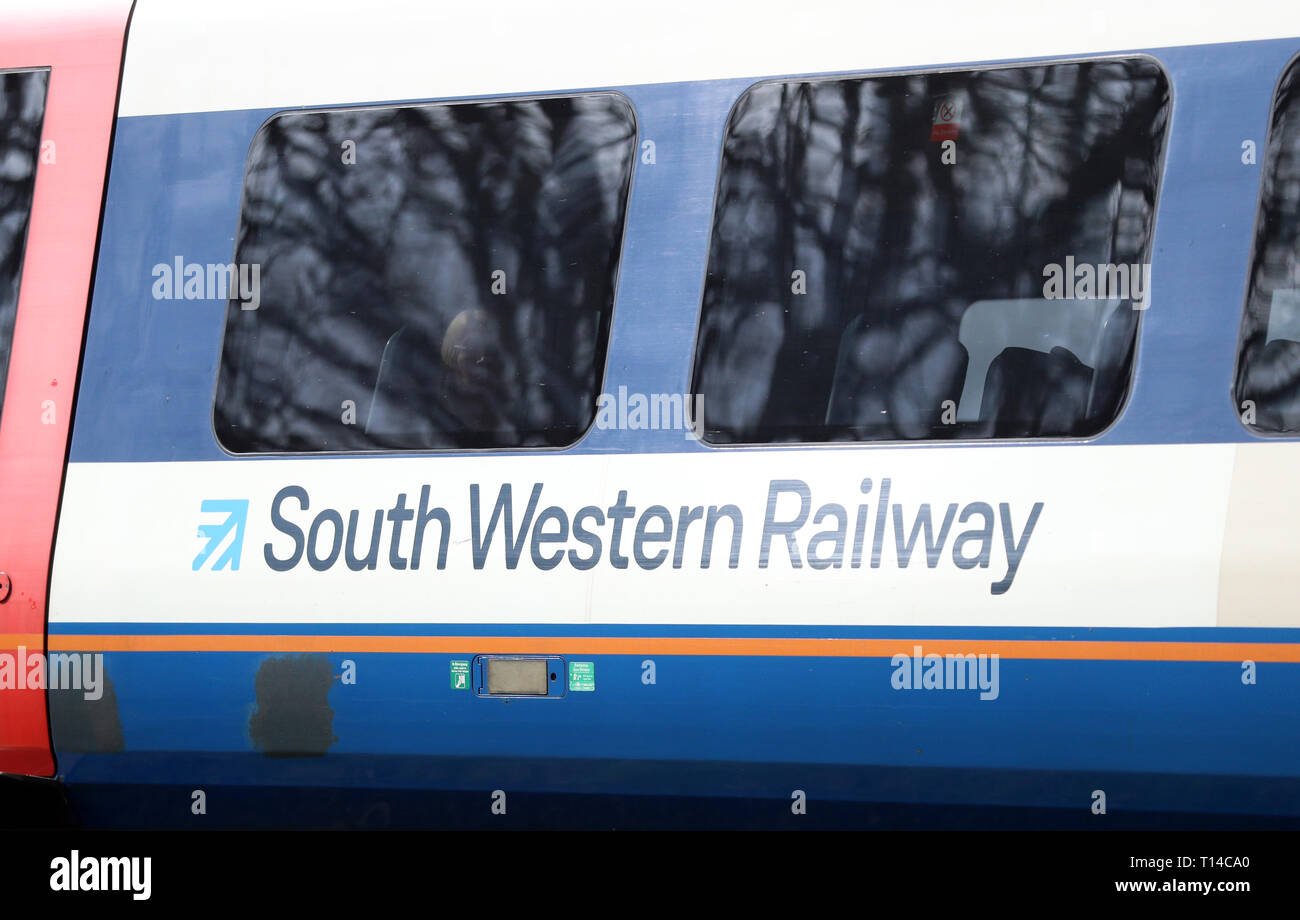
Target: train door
(58,85)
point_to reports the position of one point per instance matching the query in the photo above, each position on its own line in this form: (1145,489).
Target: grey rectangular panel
(516,676)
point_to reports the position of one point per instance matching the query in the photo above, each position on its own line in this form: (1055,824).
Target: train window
(415,277)
(22,109)
(1268,362)
(961,254)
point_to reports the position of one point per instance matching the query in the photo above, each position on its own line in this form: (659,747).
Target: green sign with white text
(459,675)
(582,676)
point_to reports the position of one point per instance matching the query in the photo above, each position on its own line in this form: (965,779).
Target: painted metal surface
(84,55)
(1121,658)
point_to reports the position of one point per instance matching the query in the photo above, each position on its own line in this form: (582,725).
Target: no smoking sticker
(947,119)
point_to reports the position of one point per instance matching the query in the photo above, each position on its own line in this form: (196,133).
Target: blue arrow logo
(236,511)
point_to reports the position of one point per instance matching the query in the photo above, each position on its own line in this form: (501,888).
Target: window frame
(436,451)
(1256,226)
(8,331)
(1159,168)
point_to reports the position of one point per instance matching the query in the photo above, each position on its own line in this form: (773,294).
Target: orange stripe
(1053,650)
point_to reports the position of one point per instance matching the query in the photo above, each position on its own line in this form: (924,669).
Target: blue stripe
(150,366)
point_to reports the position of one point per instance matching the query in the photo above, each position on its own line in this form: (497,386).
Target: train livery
(423,415)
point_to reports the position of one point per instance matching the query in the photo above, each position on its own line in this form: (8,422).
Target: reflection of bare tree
(1268,372)
(22,109)
(839,179)
(377,278)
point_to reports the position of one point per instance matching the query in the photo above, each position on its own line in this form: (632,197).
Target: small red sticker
(947,115)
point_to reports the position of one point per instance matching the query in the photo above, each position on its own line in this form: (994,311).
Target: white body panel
(186,57)
(1127,536)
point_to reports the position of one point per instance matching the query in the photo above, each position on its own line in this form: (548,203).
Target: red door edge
(83,50)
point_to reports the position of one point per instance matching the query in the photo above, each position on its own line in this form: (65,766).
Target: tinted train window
(945,255)
(1268,366)
(425,276)
(22,108)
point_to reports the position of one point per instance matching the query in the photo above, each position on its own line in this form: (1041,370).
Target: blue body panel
(150,366)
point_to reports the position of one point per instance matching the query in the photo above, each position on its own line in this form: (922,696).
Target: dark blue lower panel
(408,792)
